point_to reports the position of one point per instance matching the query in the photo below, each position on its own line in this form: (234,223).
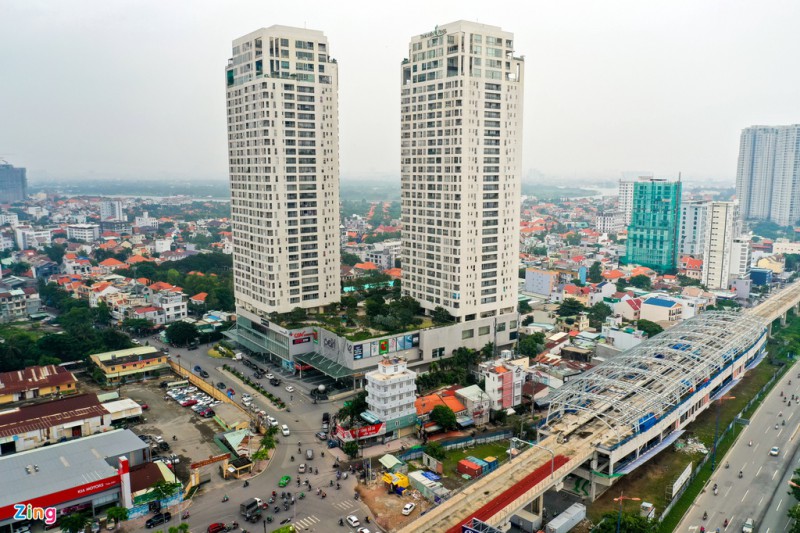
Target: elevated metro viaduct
(612,418)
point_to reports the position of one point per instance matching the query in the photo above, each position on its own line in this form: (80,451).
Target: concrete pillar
(769,330)
(783,319)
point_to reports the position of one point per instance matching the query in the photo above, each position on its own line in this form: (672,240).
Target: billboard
(358,351)
(385,346)
(373,348)
(364,432)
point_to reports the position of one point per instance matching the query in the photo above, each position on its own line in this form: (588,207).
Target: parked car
(322,435)
(155,520)
(208,413)
(272,421)
(301,468)
(216,527)
(353,521)
(409,508)
(163,446)
(269,376)
(204,374)
(188,403)
(325,427)
(221,386)
(197,369)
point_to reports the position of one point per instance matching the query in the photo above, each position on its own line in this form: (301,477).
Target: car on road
(325,427)
(192,347)
(188,403)
(216,527)
(774,451)
(353,520)
(289,388)
(274,381)
(269,376)
(322,435)
(362,530)
(197,369)
(748,526)
(285,480)
(301,468)
(158,519)
(409,508)
(136,341)
(285,430)
(204,374)
(326,417)
(221,386)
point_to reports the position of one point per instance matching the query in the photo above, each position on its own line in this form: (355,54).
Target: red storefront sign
(55,499)
(364,432)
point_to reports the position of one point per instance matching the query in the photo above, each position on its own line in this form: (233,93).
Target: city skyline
(610,87)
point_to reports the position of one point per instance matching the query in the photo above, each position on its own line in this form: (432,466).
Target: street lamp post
(620,500)
(716,430)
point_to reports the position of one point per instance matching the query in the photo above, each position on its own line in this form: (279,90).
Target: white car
(246,396)
(774,451)
(289,389)
(272,421)
(269,376)
(409,508)
(285,430)
(362,530)
(353,520)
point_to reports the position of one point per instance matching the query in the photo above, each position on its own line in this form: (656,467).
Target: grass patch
(215,354)
(496,449)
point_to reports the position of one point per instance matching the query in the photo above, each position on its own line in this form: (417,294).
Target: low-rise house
(36,382)
(661,310)
(132,364)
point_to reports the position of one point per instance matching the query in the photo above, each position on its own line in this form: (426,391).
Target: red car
(216,527)
(188,403)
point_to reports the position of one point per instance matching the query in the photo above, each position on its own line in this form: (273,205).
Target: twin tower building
(461,105)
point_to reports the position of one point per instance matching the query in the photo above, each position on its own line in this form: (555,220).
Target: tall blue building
(655,223)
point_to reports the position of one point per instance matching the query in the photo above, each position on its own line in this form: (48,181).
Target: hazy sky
(135,89)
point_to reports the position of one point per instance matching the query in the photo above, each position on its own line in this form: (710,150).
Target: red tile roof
(34,377)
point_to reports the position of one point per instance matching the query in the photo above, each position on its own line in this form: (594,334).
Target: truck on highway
(567,520)
(250,507)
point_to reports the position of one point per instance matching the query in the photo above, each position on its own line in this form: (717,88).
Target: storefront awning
(431,429)
(465,421)
(326,366)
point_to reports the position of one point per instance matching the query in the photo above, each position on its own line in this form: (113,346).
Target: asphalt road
(763,476)
(304,420)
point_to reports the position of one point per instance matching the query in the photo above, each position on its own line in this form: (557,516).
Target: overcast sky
(135,89)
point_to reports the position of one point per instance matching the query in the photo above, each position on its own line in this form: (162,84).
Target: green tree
(181,333)
(570,307)
(136,325)
(794,486)
(354,407)
(441,316)
(598,314)
(55,252)
(573,239)
(163,490)
(640,282)
(117,514)
(629,523)
(650,328)
(488,350)
(444,416)
(350,259)
(596,272)
(686,281)
(261,455)
(349,302)
(19,268)
(524,307)
(531,345)
(436,450)
(102,313)
(75,522)
(350,448)
(794,514)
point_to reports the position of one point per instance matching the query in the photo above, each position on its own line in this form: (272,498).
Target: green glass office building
(655,221)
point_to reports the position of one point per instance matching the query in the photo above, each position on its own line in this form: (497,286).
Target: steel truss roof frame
(652,378)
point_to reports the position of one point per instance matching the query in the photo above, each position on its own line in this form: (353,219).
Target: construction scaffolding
(631,392)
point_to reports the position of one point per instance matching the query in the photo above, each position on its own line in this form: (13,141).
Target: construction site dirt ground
(387,508)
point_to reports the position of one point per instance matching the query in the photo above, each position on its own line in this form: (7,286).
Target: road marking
(779,505)
(728,491)
(759,470)
(757,443)
(773,475)
(761,500)
(790,416)
(745,494)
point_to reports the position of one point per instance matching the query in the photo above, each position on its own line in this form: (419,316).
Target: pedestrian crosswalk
(305,523)
(345,505)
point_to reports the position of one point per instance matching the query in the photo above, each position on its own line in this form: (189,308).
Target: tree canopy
(570,307)
(181,333)
(640,282)
(596,272)
(598,314)
(650,328)
(444,416)
(531,345)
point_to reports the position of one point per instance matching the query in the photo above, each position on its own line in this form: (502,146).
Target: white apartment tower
(283,151)
(461,150)
(768,174)
(692,236)
(391,393)
(721,227)
(111,210)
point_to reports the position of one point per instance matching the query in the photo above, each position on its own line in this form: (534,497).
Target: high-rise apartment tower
(283,151)
(768,174)
(13,184)
(653,233)
(722,226)
(461,150)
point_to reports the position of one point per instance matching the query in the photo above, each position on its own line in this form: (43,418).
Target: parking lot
(193,434)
